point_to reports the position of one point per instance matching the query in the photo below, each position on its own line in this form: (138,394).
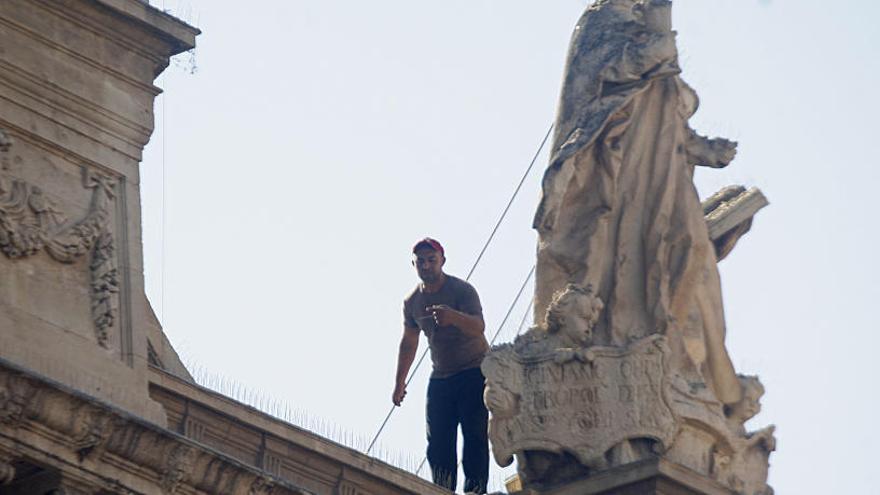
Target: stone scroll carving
(30,222)
(628,360)
(581,402)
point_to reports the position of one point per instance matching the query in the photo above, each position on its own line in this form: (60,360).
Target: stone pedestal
(569,412)
(648,477)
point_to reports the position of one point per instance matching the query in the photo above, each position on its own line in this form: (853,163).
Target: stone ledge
(655,476)
(140,10)
(81,437)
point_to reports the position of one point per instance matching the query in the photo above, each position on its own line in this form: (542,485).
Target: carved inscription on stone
(582,403)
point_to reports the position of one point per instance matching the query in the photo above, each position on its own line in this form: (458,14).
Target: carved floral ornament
(31,222)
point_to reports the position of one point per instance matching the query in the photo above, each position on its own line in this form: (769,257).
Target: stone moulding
(104,445)
(31,222)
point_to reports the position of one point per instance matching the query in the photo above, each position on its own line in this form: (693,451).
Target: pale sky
(318,140)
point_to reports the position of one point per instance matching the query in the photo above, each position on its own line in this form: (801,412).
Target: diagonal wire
(513,304)
(471,272)
(524,316)
(512,197)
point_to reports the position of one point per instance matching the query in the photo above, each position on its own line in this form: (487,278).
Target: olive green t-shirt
(452,350)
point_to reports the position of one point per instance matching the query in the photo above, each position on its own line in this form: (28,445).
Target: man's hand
(399,394)
(446,316)
(408,346)
(443,314)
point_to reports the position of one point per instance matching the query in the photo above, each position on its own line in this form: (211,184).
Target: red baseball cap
(429,243)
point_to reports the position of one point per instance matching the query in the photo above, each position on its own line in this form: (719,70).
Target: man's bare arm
(409,344)
(471,325)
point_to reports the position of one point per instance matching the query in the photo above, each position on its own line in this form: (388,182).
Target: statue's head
(621,10)
(655,15)
(573,313)
(750,404)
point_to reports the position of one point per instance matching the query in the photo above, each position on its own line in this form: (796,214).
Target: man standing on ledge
(448,310)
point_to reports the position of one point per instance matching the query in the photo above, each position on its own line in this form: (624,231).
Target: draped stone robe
(619,209)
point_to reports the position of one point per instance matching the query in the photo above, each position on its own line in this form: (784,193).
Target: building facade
(93,398)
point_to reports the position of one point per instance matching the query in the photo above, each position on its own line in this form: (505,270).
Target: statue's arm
(715,153)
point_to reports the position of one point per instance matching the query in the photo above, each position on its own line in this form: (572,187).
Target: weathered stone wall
(76,107)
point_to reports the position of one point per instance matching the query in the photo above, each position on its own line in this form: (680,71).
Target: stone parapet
(284,450)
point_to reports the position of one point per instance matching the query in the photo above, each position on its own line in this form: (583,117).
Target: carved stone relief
(581,402)
(554,391)
(134,455)
(92,428)
(261,486)
(177,468)
(30,222)
(16,394)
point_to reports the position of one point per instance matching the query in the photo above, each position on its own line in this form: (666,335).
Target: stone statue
(629,358)
(619,209)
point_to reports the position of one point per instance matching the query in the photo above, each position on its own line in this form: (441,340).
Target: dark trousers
(456,400)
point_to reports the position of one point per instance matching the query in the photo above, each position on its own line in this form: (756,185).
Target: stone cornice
(101,444)
(177,34)
(183,34)
(89,61)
